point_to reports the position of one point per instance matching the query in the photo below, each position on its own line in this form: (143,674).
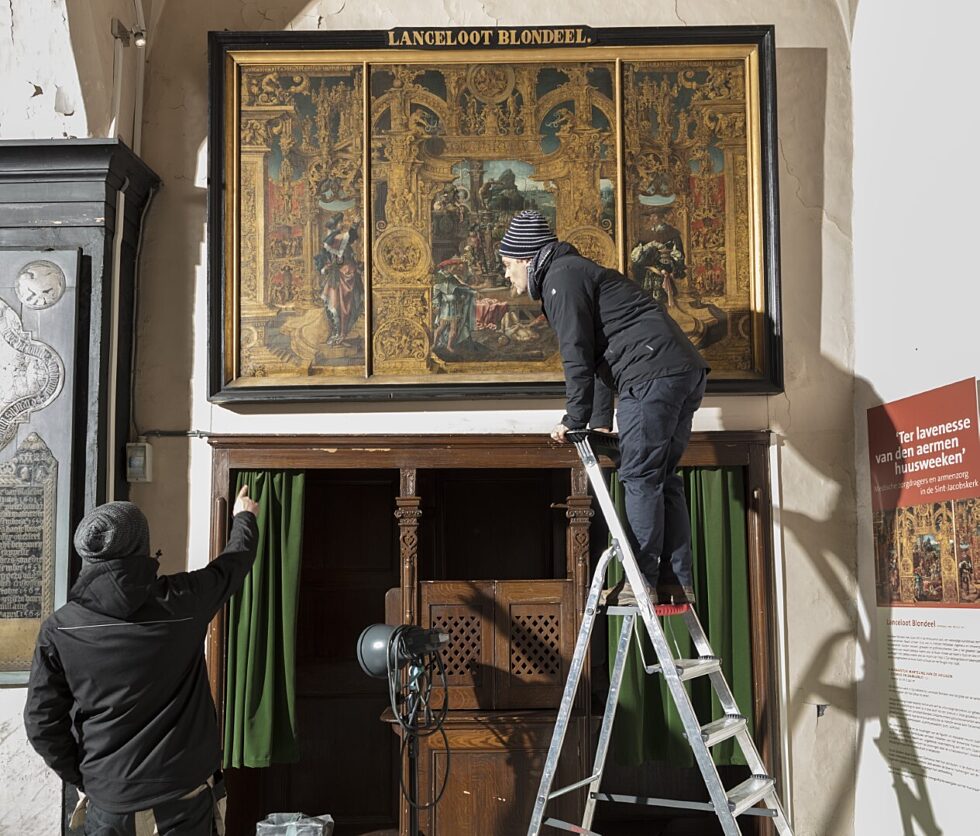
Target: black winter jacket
(611,333)
(118,702)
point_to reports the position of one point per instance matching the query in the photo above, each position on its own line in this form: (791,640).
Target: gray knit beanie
(116,529)
(527,234)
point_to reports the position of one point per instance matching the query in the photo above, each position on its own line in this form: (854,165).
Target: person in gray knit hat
(113,530)
(613,336)
(118,702)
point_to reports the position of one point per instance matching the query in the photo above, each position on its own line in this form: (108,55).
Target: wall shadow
(820,388)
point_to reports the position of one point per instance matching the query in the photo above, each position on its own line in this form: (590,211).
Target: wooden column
(579,514)
(408,514)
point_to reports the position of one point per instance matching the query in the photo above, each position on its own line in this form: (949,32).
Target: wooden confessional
(487,538)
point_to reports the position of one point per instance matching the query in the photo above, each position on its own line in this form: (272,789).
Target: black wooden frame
(220,44)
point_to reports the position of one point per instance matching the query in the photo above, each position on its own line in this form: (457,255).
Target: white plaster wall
(55,82)
(813,421)
(34,69)
(914,316)
(56,62)
(30,794)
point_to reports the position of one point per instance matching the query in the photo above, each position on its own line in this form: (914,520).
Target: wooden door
(494,765)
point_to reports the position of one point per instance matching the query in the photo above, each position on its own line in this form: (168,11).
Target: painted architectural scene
(367,243)
(687,206)
(456,151)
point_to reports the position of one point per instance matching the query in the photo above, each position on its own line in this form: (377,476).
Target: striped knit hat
(527,234)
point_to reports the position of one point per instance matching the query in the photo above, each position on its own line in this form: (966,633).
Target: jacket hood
(115,587)
(542,261)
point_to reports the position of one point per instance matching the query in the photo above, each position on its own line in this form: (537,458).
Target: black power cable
(420,720)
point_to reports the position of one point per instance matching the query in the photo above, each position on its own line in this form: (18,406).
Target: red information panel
(925,479)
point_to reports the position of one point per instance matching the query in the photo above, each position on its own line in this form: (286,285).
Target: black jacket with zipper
(118,702)
(611,334)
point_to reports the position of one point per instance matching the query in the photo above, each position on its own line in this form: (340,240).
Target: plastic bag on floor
(294,824)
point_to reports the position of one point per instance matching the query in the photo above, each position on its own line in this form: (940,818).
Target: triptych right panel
(691,234)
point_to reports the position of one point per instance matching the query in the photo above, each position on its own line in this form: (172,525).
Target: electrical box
(139,462)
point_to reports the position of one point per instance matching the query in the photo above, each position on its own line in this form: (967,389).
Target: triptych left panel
(301,231)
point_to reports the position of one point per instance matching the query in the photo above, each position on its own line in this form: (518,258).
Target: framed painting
(361,182)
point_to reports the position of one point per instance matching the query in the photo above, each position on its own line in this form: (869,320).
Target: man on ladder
(613,336)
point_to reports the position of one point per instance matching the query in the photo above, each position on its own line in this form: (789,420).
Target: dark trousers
(181,817)
(654,428)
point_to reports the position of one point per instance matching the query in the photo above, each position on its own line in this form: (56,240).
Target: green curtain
(260,706)
(648,727)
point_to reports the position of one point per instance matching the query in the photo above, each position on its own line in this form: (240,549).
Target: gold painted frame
(652,156)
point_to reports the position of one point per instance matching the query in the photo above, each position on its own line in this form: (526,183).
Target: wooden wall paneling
(711,449)
(510,750)
(221,490)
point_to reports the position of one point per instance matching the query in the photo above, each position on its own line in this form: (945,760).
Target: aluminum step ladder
(727,805)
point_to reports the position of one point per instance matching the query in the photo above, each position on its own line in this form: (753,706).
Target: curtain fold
(260,705)
(648,727)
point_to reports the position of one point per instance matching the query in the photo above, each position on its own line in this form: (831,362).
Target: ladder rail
(568,695)
(716,791)
(609,717)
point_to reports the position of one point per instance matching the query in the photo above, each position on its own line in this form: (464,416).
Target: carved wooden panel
(535,637)
(464,610)
(494,768)
(510,641)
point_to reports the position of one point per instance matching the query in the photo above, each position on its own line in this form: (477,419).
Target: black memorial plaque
(21,550)
(28,496)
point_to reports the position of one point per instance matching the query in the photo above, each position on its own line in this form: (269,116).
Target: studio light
(382,651)
(372,650)
(375,645)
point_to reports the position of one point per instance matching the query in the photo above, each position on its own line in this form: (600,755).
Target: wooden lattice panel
(463,653)
(535,636)
(464,610)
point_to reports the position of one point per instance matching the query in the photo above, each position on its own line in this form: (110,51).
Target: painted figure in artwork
(659,262)
(340,292)
(453,306)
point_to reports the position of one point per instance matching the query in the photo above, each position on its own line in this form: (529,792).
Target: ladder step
(558,824)
(691,668)
(575,786)
(705,806)
(658,609)
(748,793)
(714,733)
